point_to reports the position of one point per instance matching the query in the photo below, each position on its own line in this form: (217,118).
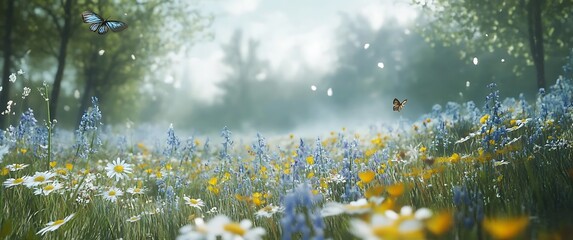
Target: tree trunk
(535,31)
(90,77)
(85,99)
(65,35)
(5,94)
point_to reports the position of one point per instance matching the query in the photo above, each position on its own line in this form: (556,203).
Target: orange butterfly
(398,105)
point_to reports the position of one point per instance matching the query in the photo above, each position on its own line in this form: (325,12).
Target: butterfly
(100,25)
(398,105)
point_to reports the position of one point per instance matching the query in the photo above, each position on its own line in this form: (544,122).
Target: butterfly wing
(99,25)
(102,29)
(396,105)
(403,103)
(116,26)
(94,26)
(91,17)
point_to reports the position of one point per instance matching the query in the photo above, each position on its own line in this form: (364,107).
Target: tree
(59,18)
(14,45)
(7,50)
(64,31)
(529,30)
(108,63)
(244,67)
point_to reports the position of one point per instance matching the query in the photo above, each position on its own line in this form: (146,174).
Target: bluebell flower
(227,144)
(301,204)
(261,149)
(173,143)
(87,137)
(189,149)
(26,127)
(469,205)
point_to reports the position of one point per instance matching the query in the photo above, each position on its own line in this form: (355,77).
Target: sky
(293,34)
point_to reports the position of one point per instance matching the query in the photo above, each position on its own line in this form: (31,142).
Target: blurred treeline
(419,64)
(424,68)
(50,42)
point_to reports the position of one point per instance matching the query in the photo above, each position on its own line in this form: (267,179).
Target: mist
(270,67)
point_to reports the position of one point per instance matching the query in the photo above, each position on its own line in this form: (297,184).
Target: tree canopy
(529,32)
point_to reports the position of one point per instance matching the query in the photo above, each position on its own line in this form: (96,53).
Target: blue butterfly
(100,25)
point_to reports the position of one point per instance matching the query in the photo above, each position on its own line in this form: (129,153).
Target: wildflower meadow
(497,169)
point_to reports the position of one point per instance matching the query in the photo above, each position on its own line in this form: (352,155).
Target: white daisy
(196,203)
(112,193)
(136,190)
(268,211)
(16,166)
(241,230)
(38,179)
(52,226)
(197,231)
(50,187)
(359,206)
(403,224)
(336,178)
(118,169)
(134,218)
(11,182)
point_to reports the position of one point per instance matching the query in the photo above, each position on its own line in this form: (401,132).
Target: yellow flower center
(49,187)
(18,180)
(234,228)
(39,179)
(268,209)
(118,169)
(58,222)
(194,201)
(111,193)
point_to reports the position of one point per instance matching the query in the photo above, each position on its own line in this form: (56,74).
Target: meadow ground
(500,170)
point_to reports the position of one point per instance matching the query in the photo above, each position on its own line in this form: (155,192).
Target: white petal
(391,214)
(246,224)
(332,209)
(406,211)
(423,213)
(410,226)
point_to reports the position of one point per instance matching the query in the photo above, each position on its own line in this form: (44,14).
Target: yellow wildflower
(484,119)
(508,228)
(440,223)
(396,190)
(374,191)
(454,158)
(366,176)
(310,175)
(213,181)
(310,160)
